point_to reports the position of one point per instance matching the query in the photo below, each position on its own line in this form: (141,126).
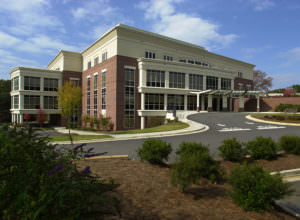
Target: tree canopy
(262,81)
(4,100)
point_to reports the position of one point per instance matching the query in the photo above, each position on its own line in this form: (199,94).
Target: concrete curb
(270,122)
(289,175)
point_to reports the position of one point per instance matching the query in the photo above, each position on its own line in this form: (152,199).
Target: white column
(142,122)
(258,105)
(42,84)
(143,101)
(165,101)
(186,81)
(42,102)
(198,104)
(202,102)
(204,82)
(218,103)
(230,104)
(224,99)
(209,105)
(21,103)
(21,118)
(241,103)
(142,76)
(232,84)
(167,79)
(219,82)
(185,102)
(21,80)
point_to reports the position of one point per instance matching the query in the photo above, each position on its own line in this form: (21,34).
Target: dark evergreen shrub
(191,147)
(154,151)
(262,148)
(255,189)
(232,150)
(290,144)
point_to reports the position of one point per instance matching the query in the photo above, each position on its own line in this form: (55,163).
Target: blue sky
(263,32)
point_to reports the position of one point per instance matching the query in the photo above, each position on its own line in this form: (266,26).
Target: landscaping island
(278,117)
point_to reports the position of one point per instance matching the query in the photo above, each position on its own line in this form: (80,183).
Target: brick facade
(242,81)
(115,104)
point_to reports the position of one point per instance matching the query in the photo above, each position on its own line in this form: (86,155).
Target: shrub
(255,189)
(290,144)
(232,150)
(189,147)
(284,107)
(262,148)
(39,181)
(154,151)
(191,166)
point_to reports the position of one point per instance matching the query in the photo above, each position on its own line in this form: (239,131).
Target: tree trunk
(70,133)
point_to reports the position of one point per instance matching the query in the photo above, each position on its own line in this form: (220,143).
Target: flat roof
(33,68)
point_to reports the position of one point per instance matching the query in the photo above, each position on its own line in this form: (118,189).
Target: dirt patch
(145,192)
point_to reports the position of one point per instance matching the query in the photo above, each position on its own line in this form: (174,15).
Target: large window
(240,74)
(149,54)
(31,83)
(103,91)
(50,84)
(195,81)
(192,102)
(50,102)
(175,102)
(154,101)
(225,84)
(16,83)
(95,95)
(15,102)
(96,61)
(155,78)
(176,80)
(89,64)
(88,100)
(129,121)
(31,102)
(104,56)
(212,82)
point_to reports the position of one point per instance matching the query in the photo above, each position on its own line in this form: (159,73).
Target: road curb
(270,122)
(289,175)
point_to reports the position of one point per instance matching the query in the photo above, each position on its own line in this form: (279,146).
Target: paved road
(222,126)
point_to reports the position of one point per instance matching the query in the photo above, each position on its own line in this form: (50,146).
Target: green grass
(78,137)
(161,128)
(283,117)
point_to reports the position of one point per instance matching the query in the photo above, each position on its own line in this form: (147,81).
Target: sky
(265,33)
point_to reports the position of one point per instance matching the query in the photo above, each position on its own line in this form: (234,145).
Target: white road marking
(222,125)
(234,129)
(249,123)
(269,127)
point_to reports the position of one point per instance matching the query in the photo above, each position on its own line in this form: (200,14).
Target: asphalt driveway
(222,126)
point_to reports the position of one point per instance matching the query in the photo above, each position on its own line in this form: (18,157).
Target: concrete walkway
(194,127)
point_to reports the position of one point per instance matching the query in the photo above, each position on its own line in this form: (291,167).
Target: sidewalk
(194,127)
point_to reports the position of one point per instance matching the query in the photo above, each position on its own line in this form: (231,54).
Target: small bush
(154,151)
(290,144)
(194,162)
(232,150)
(255,189)
(284,107)
(189,147)
(262,148)
(39,181)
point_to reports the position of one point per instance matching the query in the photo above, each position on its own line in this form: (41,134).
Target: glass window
(240,86)
(50,102)
(129,116)
(195,81)
(225,84)
(149,55)
(50,84)
(249,87)
(95,95)
(16,83)
(89,65)
(192,102)
(155,78)
(176,80)
(212,82)
(96,61)
(104,56)
(75,82)
(182,60)
(154,101)
(191,61)
(240,74)
(103,91)
(31,83)
(88,100)
(175,102)
(31,102)
(168,58)
(16,102)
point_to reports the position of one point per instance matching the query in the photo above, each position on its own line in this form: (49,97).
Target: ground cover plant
(38,180)
(262,148)
(154,151)
(232,150)
(255,189)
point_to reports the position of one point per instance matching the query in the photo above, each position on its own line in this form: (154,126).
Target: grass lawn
(78,137)
(279,117)
(161,128)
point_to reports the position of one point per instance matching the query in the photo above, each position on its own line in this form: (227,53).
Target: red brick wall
(114,88)
(268,104)
(245,82)
(69,74)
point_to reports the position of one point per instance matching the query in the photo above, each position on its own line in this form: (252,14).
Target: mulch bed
(145,192)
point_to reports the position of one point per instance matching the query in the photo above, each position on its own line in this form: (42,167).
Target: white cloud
(291,56)
(7,40)
(260,5)
(184,26)
(283,80)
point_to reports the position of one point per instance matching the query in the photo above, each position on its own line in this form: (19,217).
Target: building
(132,75)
